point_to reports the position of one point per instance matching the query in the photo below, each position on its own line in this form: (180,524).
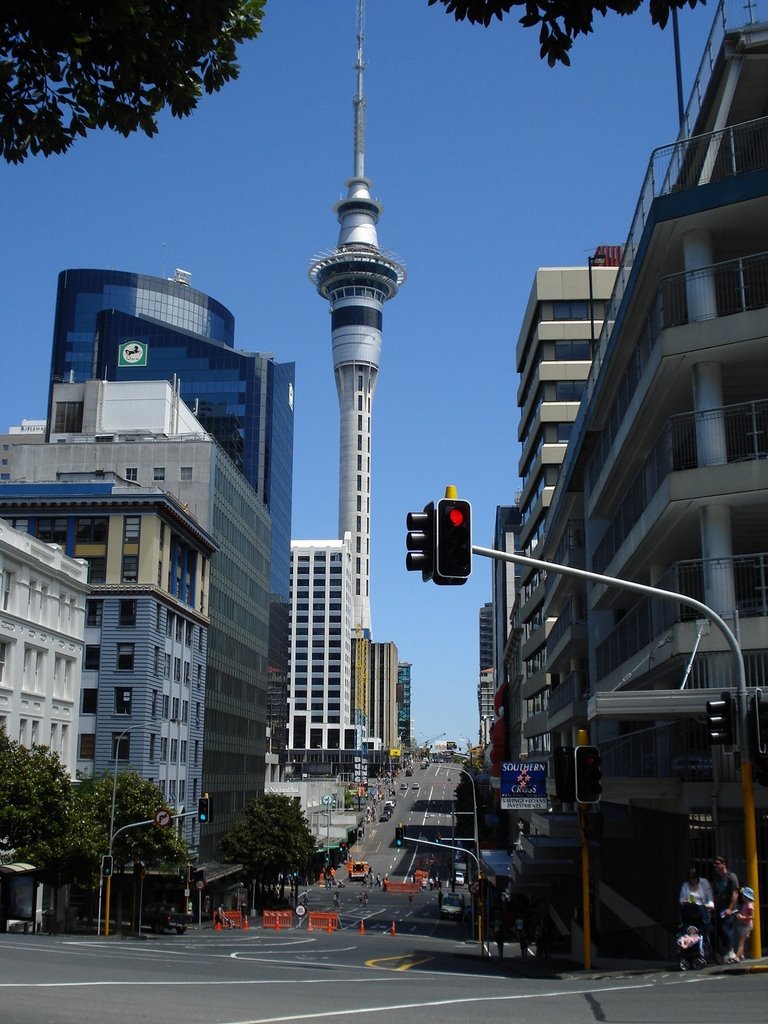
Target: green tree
(136,800)
(271,837)
(35,805)
(560,21)
(72,66)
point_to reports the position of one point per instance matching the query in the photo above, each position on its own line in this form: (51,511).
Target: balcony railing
(735,433)
(723,289)
(743,579)
(575,687)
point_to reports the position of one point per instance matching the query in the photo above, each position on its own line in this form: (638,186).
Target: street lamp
(457,768)
(108,892)
(598,260)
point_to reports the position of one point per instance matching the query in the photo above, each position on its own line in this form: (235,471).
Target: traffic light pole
(747,785)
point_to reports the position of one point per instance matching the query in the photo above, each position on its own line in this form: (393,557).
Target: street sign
(162,818)
(199,885)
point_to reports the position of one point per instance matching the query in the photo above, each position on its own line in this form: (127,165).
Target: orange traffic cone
(217,926)
(361,927)
(246,926)
(392,929)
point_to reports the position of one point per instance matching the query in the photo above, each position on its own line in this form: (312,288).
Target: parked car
(415,786)
(453,906)
(459,877)
(163,917)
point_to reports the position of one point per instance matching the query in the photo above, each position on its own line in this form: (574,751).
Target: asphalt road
(391,960)
(259,977)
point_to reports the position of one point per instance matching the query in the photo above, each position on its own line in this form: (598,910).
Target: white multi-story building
(42,618)
(321,730)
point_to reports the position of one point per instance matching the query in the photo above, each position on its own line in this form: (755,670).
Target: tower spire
(359,100)
(356,279)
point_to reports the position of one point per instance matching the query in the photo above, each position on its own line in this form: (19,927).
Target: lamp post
(108,891)
(598,260)
(457,768)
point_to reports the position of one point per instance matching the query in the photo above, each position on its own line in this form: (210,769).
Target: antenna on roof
(359,100)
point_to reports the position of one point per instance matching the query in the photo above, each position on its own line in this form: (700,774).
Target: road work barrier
(277,919)
(317,920)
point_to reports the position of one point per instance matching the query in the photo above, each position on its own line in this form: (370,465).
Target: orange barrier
(234,916)
(317,920)
(277,919)
(403,887)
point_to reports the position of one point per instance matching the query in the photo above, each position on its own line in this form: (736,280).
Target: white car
(459,878)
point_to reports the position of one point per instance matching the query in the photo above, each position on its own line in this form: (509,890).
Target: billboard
(523,785)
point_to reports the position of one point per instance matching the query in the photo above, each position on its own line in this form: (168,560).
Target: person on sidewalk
(726,894)
(696,905)
(498,936)
(745,918)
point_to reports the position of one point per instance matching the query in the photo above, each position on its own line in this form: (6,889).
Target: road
(390,959)
(260,977)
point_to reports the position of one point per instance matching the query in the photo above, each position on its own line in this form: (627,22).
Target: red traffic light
(456,515)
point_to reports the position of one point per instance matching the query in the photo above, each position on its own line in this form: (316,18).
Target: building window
(93,612)
(121,746)
(3,654)
(123,700)
(92,657)
(158,473)
(68,418)
(131,529)
(87,746)
(125,657)
(132,473)
(130,572)
(127,613)
(167,667)
(185,473)
(152,750)
(153,710)
(90,700)
(97,570)
(92,530)
(52,531)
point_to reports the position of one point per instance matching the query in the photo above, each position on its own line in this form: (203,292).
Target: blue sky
(489,164)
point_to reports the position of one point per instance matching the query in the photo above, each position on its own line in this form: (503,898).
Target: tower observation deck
(357,278)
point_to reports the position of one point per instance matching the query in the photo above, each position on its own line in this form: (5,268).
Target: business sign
(523,785)
(132,353)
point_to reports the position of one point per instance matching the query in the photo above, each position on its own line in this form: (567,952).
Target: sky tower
(357,278)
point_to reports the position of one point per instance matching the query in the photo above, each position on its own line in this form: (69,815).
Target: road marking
(407,962)
(392,1008)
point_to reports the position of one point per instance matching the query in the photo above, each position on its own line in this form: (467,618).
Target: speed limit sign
(301,910)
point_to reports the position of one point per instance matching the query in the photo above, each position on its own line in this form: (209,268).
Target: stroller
(693,939)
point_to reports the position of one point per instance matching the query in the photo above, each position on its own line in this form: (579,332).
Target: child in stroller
(692,951)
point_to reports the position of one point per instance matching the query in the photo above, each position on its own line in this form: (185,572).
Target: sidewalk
(601,967)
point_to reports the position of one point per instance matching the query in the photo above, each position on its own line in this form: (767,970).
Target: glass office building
(120,326)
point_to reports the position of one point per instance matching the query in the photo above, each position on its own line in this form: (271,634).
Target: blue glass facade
(243,399)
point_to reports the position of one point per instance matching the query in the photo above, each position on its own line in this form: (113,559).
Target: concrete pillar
(699,287)
(717,553)
(711,445)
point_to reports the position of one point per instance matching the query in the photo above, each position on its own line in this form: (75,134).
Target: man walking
(726,893)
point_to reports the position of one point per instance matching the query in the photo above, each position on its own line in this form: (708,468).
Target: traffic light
(720,720)
(453,542)
(106,865)
(588,775)
(204,809)
(565,780)
(399,836)
(420,542)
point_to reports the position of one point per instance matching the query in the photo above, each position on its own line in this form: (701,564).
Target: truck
(357,870)
(164,917)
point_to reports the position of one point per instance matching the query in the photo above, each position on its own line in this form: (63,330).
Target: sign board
(523,785)
(162,817)
(132,353)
